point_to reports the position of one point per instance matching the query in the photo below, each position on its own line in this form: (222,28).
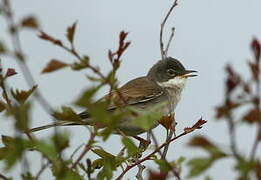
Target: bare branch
(162,50)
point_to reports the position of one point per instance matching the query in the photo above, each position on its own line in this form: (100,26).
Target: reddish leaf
(21,96)
(29,22)
(256,47)
(197,125)
(200,141)
(70,32)
(54,65)
(225,109)
(49,38)
(233,79)
(10,72)
(157,175)
(167,121)
(254,115)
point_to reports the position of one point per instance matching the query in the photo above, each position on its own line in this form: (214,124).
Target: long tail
(56,124)
(84,116)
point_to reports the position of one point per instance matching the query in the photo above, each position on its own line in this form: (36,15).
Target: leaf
(167,121)
(54,65)
(70,32)
(30,22)
(157,175)
(233,79)
(10,72)
(224,110)
(197,125)
(84,63)
(21,114)
(21,95)
(7,140)
(49,38)
(256,48)
(67,114)
(163,165)
(103,154)
(131,147)
(202,142)
(98,163)
(86,97)
(199,165)
(254,70)
(253,116)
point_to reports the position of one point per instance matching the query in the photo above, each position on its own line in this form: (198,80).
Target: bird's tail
(56,124)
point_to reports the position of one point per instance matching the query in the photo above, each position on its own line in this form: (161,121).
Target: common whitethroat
(163,84)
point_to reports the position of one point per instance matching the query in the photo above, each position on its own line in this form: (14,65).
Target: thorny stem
(162,50)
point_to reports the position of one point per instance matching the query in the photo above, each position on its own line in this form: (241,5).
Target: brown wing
(135,91)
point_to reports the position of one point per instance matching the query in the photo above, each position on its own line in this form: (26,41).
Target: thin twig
(255,145)
(170,40)
(41,170)
(87,148)
(162,50)
(140,171)
(151,154)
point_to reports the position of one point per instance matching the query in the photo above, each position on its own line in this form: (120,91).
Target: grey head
(169,73)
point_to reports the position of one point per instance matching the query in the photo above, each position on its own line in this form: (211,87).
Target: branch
(162,50)
(197,125)
(85,151)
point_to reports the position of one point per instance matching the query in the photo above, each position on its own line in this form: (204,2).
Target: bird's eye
(171,72)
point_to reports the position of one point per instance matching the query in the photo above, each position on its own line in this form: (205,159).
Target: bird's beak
(189,73)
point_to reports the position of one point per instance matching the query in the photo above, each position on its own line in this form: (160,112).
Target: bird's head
(170,73)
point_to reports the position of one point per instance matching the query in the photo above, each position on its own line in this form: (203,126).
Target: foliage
(17,104)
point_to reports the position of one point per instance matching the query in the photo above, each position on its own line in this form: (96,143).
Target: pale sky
(209,34)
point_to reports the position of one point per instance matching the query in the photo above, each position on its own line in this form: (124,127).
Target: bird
(160,90)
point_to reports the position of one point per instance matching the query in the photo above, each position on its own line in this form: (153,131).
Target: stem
(149,156)
(163,52)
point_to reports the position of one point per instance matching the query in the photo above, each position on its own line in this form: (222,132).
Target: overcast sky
(209,34)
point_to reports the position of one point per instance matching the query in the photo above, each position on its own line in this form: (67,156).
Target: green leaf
(86,97)
(131,147)
(21,95)
(199,165)
(67,114)
(71,32)
(21,114)
(84,63)
(163,165)
(103,154)
(7,140)
(98,163)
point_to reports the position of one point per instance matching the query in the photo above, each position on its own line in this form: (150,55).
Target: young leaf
(10,72)
(254,115)
(67,114)
(70,32)
(84,63)
(163,165)
(131,147)
(199,165)
(54,65)
(21,114)
(102,153)
(256,47)
(21,96)
(30,22)
(157,175)
(49,38)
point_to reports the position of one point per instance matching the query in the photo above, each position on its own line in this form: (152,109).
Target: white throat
(174,88)
(176,83)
